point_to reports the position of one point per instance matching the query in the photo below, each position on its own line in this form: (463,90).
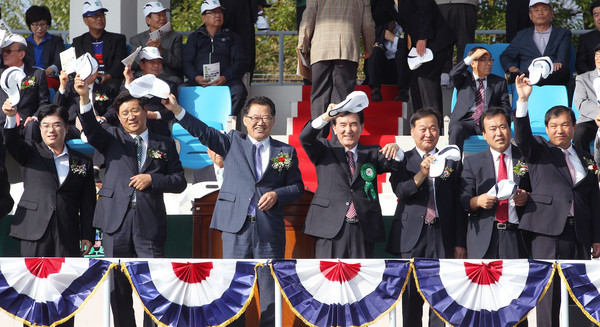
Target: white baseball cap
(91,7)
(535,2)
(148,86)
(10,82)
(12,39)
(210,5)
(354,102)
(503,190)
(415,61)
(153,8)
(150,53)
(85,66)
(539,68)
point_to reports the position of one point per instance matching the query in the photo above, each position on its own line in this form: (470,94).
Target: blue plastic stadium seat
(79,145)
(212,105)
(541,99)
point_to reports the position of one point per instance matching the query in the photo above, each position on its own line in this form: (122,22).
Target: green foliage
(13,12)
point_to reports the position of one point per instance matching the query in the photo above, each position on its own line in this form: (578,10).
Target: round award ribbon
(368,173)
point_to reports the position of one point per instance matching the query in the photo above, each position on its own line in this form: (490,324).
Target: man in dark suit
(141,166)
(108,48)
(345,219)
(262,176)
(562,211)
(429,221)
(586,50)
(6,201)
(34,88)
(476,92)
(542,39)
(492,231)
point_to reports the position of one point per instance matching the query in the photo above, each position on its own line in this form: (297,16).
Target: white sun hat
(10,81)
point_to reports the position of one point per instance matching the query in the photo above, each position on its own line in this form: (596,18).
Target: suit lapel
(273,150)
(560,158)
(249,154)
(152,144)
(551,40)
(360,160)
(340,154)
(48,159)
(130,149)
(516,157)
(583,163)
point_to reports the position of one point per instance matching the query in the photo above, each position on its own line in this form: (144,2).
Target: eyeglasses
(133,112)
(35,26)
(265,119)
(56,125)
(214,12)
(95,16)
(485,60)
(9,51)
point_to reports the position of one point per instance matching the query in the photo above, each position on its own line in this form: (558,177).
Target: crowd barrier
(342,292)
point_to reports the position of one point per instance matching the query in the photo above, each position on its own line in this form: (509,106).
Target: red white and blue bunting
(341,293)
(195,292)
(48,291)
(482,292)
(583,283)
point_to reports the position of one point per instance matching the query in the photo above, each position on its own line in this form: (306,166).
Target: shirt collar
(65,152)
(571,151)
(548,31)
(353,150)
(496,154)
(144,135)
(421,153)
(476,77)
(266,142)
(46,38)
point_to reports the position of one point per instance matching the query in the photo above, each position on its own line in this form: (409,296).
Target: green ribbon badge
(368,173)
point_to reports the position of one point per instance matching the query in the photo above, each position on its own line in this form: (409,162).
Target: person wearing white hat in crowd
(34,87)
(542,39)
(212,44)
(169,44)
(108,48)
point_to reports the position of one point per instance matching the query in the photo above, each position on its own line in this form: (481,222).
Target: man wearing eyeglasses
(211,44)
(261,177)
(476,91)
(108,48)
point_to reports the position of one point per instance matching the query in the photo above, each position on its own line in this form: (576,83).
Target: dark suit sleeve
(425,20)
(59,46)
(313,146)
(210,137)
(458,74)
(564,48)
(510,56)
(403,184)
(42,88)
(16,146)
(6,201)
(582,57)
(504,99)
(87,205)
(238,59)
(173,181)
(294,187)
(174,54)
(116,67)
(460,213)
(468,184)
(97,136)
(527,144)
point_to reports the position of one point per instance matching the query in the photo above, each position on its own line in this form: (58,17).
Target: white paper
(4,26)
(211,71)
(158,34)
(67,60)
(3,35)
(131,58)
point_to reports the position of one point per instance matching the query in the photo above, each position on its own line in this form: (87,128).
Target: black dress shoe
(376,95)
(401,96)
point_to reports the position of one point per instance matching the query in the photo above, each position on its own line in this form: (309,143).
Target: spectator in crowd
(492,231)
(585,101)
(44,48)
(329,36)
(562,212)
(212,44)
(212,173)
(586,51)
(461,16)
(108,48)
(344,218)
(159,118)
(429,222)
(597,142)
(249,212)
(476,92)
(6,201)
(387,64)
(54,216)
(542,39)
(34,88)
(169,44)
(516,17)
(131,210)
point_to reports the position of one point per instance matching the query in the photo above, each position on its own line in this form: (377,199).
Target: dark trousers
(381,70)
(348,243)
(462,19)
(559,77)
(246,244)
(429,245)
(332,81)
(425,88)
(563,246)
(128,242)
(505,244)
(460,130)
(584,134)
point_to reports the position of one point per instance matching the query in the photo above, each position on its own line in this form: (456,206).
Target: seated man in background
(211,173)
(585,101)
(211,44)
(587,43)
(542,39)
(476,92)
(169,44)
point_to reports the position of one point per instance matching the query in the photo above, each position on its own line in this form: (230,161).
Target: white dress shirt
(421,154)
(512,210)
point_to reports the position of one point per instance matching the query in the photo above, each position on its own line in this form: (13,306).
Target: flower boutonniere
(28,83)
(156,154)
(78,169)
(101,97)
(446,173)
(520,169)
(280,161)
(591,166)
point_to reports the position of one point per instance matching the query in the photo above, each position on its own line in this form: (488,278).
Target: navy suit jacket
(496,92)
(337,187)
(32,97)
(118,147)
(522,50)
(114,50)
(71,203)
(6,201)
(553,191)
(412,206)
(478,177)
(240,183)
(585,51)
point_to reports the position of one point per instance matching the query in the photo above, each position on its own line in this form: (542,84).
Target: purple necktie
(258,170)
(351,209)
(479,101)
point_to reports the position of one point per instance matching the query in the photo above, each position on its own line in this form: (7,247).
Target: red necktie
(479,101)
(351,209)
(502,208)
